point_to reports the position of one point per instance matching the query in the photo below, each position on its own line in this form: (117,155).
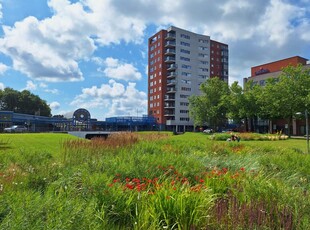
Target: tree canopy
(23,102)
(210,107)
(281,97)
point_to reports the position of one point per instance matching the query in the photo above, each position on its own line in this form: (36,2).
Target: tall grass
(154,181)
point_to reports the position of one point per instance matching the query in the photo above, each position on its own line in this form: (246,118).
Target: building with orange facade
(259,75)
(179,62)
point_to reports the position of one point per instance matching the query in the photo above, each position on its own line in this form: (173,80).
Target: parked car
(15,129)
(208,131)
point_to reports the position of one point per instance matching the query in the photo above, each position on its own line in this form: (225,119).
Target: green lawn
(49,142)
(152,181)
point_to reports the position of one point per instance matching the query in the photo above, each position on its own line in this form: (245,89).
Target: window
(185,51)
(202,76)
(186,89)
(204,69)
(185,44)
(184,119)
(186,74)
(151,98)
(151,83)
(184,59)
(202,48)
(204,62)
(185,36)
(151,76)
(202,55)
(184,104)
(183,111)
(262,82)
(186,66)
(203,41)
(186,81)
(184,96)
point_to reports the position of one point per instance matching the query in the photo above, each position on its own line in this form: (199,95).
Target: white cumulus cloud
(3,68)
(31,85)
(54,105)
(116,97)
(121,71)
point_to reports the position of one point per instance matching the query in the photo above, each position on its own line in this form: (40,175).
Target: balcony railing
(169,105)
(171,90)
(170,36)
(172,75)
(170,52)
(169,98)
(170,44)
(171,82)
(171,67)
(170,59)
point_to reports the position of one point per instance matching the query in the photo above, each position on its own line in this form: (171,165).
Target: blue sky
(92,54)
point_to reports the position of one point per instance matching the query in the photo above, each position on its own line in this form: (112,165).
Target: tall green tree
(285,96)
(23,102)
(210,107)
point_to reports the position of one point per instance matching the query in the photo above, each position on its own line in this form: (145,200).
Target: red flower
(130,186)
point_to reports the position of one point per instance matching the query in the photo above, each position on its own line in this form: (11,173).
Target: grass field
(152,181)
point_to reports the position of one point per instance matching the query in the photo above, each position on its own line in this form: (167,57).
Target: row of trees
(280,98)
(23,102)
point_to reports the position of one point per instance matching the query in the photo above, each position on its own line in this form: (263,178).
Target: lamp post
(307,128)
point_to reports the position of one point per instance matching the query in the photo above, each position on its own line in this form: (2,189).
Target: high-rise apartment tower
(179,61)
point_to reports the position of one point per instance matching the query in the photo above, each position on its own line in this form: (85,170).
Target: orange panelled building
(277,65)
(259,75)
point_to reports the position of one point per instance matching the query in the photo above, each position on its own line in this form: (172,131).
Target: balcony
(170,121)
(171,82)
(169,105)
(169,98)
(171,90)
(172,75)
(169,112)
(170,36)
(170,59)
(171,67)
(170,44)
(170,52)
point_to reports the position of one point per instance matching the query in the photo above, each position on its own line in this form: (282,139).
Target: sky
(92,54)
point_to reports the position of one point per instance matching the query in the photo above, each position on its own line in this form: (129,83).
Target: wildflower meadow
(153,180)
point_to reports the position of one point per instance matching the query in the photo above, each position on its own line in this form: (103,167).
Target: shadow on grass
(5,145)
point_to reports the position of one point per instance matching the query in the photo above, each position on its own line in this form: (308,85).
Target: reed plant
(154,181)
